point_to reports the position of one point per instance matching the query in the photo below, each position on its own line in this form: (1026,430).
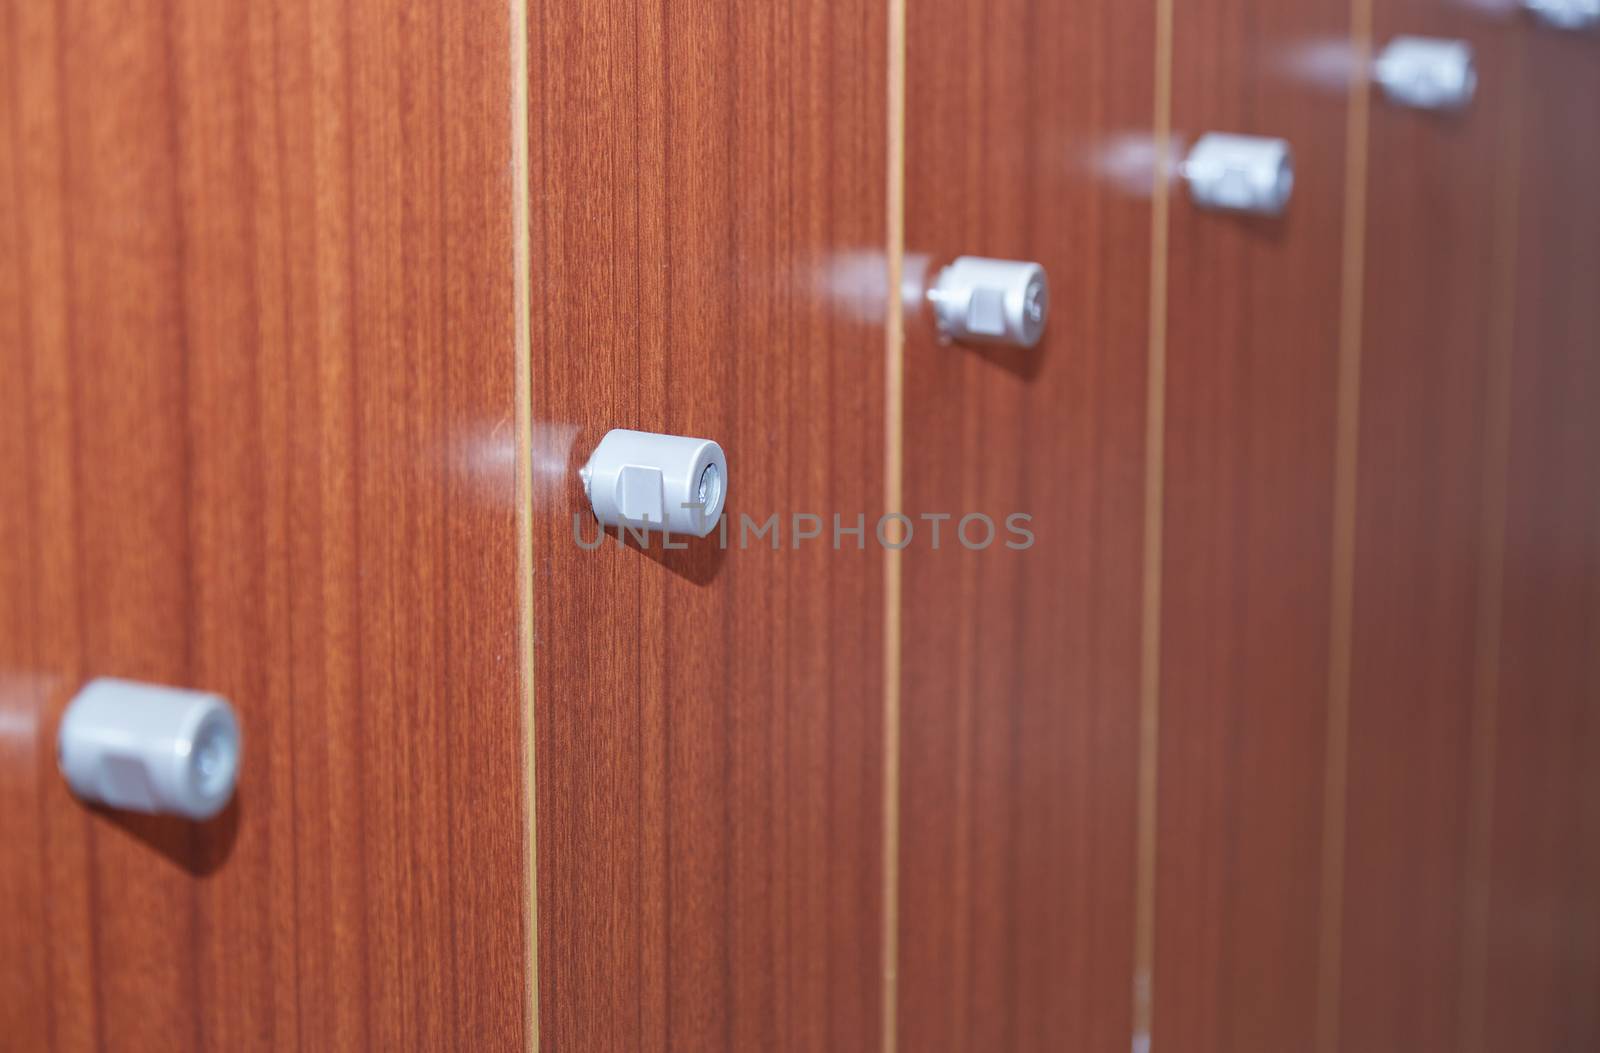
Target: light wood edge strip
(1347,429)
(894,467)
(1491,576)
(522,297)
(1144,926)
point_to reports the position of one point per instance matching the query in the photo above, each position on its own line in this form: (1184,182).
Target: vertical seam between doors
(522,306)
(1154,501)
(1491,576)
(894,466)
(1336,746)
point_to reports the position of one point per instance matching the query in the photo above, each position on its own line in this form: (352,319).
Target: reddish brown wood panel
(1544,907)
(1253,324)
(1430,487)
(1028,136)
(708,221)
(259,361)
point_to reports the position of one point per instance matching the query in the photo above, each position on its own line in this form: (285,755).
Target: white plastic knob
(1240,173)
(1565,14)
(645,480)
(1427,74)
(984,301)
(148,748)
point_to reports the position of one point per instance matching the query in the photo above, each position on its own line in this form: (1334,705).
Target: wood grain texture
(707,188)
(1430,496)
(258,439)
(1544,911)
(1027,137)
(1252,353)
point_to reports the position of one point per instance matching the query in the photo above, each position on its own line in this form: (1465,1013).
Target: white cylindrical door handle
(1240,173)
(1565,14)
(1427,74)
(650,481)
(977,300)
(149,748)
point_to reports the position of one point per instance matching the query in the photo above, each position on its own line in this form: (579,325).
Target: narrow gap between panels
(1336,758)
(1491,574)
(894,464)
(1154,500)
(522,300)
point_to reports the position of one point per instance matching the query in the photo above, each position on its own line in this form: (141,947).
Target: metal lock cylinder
(1565,14)
(1240,173)
(150,748)
(1427,74)
(650,481)
(983,301)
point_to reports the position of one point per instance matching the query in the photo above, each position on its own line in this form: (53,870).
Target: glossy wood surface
(1027,137)
(1319,747)
(707,191)
(1253,342)
(1543,945)
(257,295)
(1428,547)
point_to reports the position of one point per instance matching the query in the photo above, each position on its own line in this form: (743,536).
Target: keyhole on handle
(710,490)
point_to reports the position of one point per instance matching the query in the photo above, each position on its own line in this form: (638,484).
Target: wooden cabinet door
(1256,334)
(708,222)
(258,435)
(1028,135)
(1534,956)
(1273,727)
(1423,526)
